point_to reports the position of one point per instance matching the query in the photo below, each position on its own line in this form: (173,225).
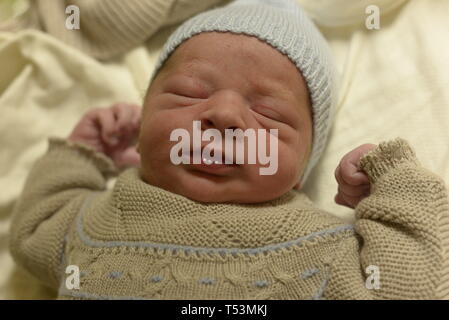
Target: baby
(219,230)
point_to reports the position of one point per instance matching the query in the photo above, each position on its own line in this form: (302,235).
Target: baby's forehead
(220,47)
(229,55)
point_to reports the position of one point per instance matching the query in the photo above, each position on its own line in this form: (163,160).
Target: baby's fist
(112,131)
(353,184)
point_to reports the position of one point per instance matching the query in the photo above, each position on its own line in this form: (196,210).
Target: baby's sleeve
(398,253)
(53,193)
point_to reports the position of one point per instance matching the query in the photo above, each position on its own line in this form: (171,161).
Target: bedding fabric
(393,83)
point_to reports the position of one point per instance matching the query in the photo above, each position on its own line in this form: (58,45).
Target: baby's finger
(350,174)
(108,127)
(350,201)
(124,115)
(350,165)
(339,200)
(137,116)
(337,175)
(131,157)
(354,191)
(352,180)
(127,158)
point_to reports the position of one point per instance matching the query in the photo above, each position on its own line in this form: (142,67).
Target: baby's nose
(226,110)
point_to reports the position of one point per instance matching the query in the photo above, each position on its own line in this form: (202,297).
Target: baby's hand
(112,131)
(353,184)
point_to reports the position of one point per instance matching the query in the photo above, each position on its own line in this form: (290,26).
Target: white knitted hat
(283,25)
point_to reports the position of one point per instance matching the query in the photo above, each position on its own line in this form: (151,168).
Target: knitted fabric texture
(283,25)
(137,241)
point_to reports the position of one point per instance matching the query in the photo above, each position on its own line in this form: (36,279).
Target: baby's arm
(398,225)
(56,188)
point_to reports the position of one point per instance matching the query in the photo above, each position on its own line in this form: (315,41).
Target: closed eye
(268,113)
(185,94)
(182,100)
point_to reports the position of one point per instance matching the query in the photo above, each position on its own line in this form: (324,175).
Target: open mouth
(211,165)
(206,160)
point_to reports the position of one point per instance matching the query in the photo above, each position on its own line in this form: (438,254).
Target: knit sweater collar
(137,211)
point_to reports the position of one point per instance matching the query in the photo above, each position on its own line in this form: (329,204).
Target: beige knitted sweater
(139,241)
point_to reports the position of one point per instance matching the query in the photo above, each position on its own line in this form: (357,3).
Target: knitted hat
(283,25)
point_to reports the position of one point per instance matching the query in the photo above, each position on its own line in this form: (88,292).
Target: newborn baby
(224,231)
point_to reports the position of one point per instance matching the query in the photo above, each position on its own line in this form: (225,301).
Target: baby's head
(253,65)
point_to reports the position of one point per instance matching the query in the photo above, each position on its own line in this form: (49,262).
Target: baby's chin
(208,188)
(205,188)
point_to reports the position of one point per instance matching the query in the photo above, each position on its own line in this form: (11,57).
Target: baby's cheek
(278,174)
(158,128)
(153,141)
(289,164)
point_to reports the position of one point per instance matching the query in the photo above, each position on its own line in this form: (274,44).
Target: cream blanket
(394,82)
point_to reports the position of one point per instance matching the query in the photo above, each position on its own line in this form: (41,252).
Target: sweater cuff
(85,153)
(387,156)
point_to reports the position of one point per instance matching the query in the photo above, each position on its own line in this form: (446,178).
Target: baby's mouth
(210,165)
(209,160)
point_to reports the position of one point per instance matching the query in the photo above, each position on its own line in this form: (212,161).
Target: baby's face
(226,81)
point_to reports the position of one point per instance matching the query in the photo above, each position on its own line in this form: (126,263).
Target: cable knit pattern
(137,241)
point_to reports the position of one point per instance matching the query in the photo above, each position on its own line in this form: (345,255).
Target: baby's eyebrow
(181,78)
(196,66)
